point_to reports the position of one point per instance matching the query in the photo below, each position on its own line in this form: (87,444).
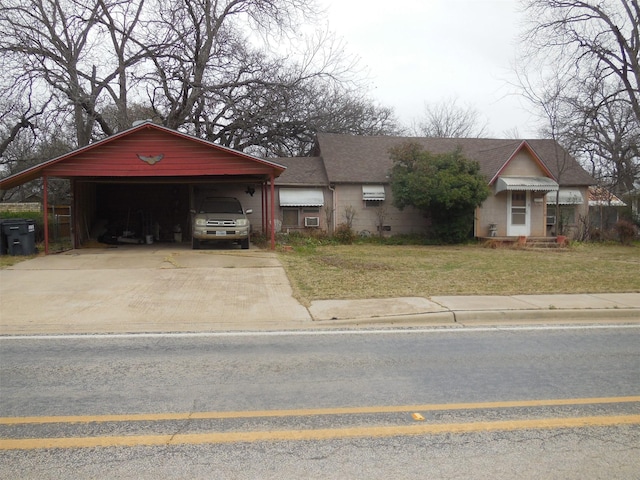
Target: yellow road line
(156,417)
(315,435)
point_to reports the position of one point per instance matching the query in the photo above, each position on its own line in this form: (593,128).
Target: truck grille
(221,223)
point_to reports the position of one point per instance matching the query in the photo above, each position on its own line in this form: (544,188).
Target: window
(311,221)
(567,214)
(518,208)
(301,197)
(290,217)
(372,195)
(373,203)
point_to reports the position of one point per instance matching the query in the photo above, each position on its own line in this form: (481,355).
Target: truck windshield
(220,205)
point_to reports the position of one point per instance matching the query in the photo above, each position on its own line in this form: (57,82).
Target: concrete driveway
(169,288)
(148,288)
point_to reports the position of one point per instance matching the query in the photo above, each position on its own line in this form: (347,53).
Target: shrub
(401,239)
(626,231)
(445,187)
(452,227)
(344,234)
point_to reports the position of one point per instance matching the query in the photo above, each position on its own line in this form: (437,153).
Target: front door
(519,222)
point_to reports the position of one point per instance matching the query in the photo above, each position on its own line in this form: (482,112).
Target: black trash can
(19,236)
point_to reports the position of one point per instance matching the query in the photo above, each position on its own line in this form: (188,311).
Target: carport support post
(273,212)
(264,208)
(45,216)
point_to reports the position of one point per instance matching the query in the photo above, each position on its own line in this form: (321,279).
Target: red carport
(150,164)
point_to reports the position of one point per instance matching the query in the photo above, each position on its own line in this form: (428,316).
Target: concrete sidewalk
(465,310)
(166,288)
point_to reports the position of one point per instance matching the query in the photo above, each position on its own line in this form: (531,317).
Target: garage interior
(147,211)
(140,213)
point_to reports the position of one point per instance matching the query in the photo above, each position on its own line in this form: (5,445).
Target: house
(304,198)
(633,197)
(149,178)
(528,180)
(604,208)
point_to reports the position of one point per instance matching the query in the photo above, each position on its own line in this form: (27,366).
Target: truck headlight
(201,222)
(242,222)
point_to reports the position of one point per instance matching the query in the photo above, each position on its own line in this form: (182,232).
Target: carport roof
(105,158)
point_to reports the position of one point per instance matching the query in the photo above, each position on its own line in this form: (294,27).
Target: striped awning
(565,196)
(301,197)
(533,184)
(373,192)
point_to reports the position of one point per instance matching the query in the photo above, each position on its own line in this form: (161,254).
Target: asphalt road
(420,403)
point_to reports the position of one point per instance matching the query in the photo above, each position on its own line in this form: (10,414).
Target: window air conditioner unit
(312,221)
(551,219)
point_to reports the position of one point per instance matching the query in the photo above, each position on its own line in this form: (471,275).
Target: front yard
(382,271)
(376,271)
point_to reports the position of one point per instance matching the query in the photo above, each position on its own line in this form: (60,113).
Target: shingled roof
(362,159)
(302,171)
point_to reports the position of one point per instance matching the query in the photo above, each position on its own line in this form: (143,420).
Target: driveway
(148,288)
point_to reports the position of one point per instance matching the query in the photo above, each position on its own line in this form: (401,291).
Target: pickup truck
(220,219)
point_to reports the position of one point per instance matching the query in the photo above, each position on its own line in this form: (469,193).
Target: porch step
(529,242)
(546,242)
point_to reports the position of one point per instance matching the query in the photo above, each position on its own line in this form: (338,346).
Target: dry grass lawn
(378,271)
(10,260)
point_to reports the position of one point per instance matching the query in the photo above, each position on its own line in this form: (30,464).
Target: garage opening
(140,213)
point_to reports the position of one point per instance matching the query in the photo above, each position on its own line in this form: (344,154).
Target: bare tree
(61,45)
(249,99)
(608,137)
(447,119)
(49,42)
(591,37)
(122,20)
(283,120)
(349,215)
(218,69)
(381,217)
(588,52)
(549,101)
(15,119)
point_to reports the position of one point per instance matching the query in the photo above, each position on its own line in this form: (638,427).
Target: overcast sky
(421,51)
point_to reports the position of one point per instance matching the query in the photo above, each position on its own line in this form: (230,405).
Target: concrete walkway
(164,288)
(465,310)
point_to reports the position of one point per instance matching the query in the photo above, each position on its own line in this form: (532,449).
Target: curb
(557,315)
(434,318)
(461,317)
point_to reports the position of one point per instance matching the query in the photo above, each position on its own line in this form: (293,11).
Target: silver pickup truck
(221,219)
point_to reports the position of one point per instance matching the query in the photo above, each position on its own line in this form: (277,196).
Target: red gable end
(149,150)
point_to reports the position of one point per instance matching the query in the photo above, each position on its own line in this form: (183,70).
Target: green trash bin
(19,236)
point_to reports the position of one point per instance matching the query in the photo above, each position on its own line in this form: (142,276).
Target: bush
(399,240)
(626,231)
(344,234)
(452,227)
(309,237)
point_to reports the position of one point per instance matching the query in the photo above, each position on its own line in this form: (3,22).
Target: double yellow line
(317,434)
